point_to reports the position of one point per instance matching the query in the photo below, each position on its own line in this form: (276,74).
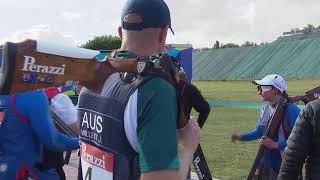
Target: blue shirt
(274,155)
(27,126)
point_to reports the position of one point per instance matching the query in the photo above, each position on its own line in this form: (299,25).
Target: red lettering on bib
(96,164)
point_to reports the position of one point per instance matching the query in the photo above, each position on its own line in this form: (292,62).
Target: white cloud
(70,16)
(203,22)
(41,32)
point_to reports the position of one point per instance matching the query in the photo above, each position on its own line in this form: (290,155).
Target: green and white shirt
(150,124)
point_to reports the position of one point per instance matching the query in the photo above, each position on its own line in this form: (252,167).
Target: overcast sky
(199,22)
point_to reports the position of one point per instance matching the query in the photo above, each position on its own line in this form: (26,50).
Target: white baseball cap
(274,80)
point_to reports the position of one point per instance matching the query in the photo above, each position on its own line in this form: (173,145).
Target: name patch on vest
(96,164)
(91,126)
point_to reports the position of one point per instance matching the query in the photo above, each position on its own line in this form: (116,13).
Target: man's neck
(141,51)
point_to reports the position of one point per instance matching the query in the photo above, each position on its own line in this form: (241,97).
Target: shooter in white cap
(271,88)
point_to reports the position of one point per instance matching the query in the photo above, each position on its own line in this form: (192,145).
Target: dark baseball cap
(151,14)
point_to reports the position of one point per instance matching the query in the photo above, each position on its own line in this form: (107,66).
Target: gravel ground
(71,170)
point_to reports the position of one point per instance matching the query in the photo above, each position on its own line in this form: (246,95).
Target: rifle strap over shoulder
(163,66)
(285,122)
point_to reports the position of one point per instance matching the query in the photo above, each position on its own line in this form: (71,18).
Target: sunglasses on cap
(264,88)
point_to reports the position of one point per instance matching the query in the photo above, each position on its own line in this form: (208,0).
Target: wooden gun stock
(32,65)
(26,68)
(271,130)
(310,95)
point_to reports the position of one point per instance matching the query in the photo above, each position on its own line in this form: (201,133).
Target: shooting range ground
(229,161)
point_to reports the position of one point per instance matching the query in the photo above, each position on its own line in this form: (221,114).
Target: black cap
(152,14)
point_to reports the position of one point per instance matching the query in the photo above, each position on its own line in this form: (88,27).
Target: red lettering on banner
(97,157)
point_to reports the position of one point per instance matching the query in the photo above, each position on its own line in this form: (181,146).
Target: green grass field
(226,160)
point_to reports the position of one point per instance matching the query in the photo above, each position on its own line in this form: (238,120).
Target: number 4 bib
(96,164)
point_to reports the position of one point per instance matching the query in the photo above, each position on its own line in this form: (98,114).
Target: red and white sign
(96,164)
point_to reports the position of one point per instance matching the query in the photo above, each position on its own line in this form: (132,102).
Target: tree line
(104,42)
(218,45)
(309,28)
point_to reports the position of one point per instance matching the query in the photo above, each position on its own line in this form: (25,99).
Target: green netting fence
(292,60)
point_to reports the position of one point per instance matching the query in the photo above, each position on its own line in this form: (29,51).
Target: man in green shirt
(147,131)
(152,130)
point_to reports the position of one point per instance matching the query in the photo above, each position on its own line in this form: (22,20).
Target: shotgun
(272,129)
(32,65)
(310,95)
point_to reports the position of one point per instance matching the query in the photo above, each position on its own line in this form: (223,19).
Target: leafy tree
(1,46)
(229,45)
(309,28)
(105,42)
(248,44)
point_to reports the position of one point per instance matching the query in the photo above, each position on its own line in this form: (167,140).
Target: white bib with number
(96,164)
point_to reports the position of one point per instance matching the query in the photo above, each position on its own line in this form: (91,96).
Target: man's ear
(163,35)
(120,32)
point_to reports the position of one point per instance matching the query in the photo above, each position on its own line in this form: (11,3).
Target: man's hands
(234,137)
(269,143)
(190,135)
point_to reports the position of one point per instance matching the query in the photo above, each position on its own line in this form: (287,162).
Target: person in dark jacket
(192,98)
(303,143)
